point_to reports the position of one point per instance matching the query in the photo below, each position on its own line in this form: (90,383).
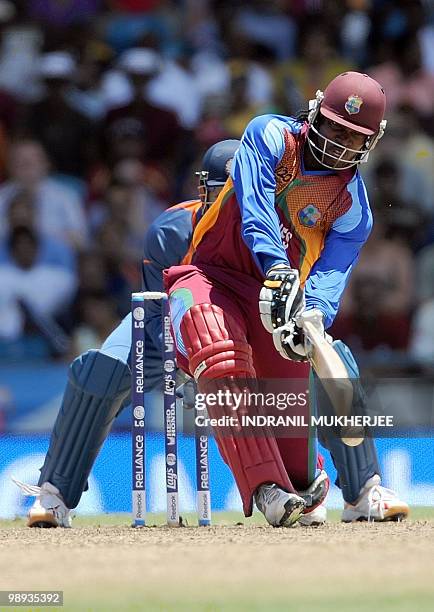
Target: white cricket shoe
(281,509)
(315,496)
(376,503)
(49,509)
(317,516)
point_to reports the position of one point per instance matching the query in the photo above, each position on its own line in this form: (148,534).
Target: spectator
(404,217)
(20,45)
(212,127)
(92,277)
(408,153)
(97,318)
(368,326)
(125,140)
(297,81)
(128,204)
(421,346)
(21,212)
(177,75)
(355,29)
(88,95)
(67,135)
(123,272)
(377,303)
(241,110)
(406,81)
(95,283)
(43,289)
(160,127)
(201,28)
(131,21)
(255,64)
(211,74)
(424,269)
(416,152)
(125,207)
(63,14)
(59,212)
(262,21)
(92,273)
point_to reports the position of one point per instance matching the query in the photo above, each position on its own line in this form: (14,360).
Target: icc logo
(169,365)
(139,313)
(139,412)
(170,459)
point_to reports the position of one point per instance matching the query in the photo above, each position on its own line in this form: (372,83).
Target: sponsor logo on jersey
(309,215)
(353,104)
(285,235)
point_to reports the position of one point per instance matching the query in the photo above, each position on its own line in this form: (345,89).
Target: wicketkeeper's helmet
(216,166)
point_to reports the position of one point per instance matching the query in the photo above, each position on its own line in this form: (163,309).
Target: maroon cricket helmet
(356,101)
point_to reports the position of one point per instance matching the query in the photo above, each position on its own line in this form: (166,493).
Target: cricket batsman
(99,380)
(278,245)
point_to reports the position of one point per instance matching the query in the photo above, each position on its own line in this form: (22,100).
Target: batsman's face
(338,147)
(341,143)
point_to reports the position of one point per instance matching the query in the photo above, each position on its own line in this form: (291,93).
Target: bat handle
(313,316)
(310,330)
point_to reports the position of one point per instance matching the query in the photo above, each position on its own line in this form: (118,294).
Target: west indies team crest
(309,215)
(353,104)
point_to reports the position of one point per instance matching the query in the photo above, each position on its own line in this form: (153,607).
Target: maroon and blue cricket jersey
(272,210)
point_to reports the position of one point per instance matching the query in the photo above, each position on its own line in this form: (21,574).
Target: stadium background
(94,145)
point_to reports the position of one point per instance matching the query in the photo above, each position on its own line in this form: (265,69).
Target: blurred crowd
(106,108)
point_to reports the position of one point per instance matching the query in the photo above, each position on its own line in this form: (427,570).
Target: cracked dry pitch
(227,567)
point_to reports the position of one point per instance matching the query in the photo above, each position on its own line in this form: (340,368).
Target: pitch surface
(248,566)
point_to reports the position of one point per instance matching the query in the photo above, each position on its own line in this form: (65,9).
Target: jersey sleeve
(253,175)
(166,243)
(329,275)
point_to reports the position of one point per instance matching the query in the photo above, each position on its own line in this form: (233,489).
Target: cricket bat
(334,376)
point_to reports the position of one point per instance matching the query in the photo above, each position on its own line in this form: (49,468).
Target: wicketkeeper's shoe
(281,509)
(48,509)
(376,503)
(315,512)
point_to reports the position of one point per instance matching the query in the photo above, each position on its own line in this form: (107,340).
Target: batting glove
(281,298)
(289,339)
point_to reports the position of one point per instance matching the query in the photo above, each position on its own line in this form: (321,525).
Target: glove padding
(281,298)
(289,339)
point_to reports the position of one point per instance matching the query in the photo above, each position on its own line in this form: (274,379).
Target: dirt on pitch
(232,567)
